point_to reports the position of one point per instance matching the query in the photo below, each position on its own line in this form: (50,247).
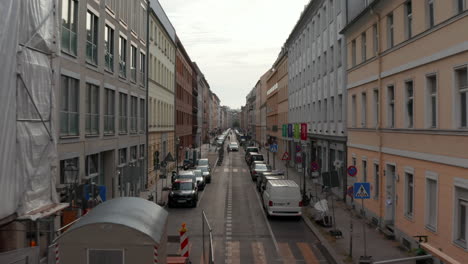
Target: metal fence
(207,236)
(28,255)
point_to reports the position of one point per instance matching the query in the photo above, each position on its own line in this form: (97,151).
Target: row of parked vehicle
(188,182)
(280,197)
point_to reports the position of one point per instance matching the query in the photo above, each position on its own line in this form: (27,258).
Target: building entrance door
(390,195)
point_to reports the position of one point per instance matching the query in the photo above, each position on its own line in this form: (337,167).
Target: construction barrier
(156,260)
(57,255)
(184,247)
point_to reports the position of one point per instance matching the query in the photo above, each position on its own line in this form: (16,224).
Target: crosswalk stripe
(233,252)
(226,169)
(258,253)
(235,170)
(286,253)
(307,253)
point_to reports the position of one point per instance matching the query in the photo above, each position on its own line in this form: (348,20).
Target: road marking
(233,252)
(258,253)
(309,256)
(266,220)
(235,170)
(286,253)
(226,169)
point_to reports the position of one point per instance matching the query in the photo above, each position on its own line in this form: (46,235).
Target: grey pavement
(378,246)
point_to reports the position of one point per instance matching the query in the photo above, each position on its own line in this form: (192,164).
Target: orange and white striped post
(156,259)
(184,248)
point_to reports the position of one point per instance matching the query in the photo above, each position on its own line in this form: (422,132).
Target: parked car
(263,177)
(248,150)
(183,192)
(203,162)
(201,183)
(256,168)
(282,198)
(188,164)
(233,146)
(253,157)
(206,173)
(188,174)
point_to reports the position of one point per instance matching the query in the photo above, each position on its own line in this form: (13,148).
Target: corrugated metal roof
(136,213)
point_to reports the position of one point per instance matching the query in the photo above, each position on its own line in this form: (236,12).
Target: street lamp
(177,154)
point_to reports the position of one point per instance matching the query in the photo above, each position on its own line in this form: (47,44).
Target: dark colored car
(183,192)
(188,164)
(263,177)
(254,157)
(248,150)
(257,168)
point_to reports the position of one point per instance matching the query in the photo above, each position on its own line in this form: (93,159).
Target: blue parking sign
(361,190)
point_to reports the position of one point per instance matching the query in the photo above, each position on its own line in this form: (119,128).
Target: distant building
(408,119)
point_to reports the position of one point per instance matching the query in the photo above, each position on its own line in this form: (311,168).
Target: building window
(353,111)
(340,108)
(460,6)
(133,62)
(319,111)
(431,204)
(461,216)
(409,104)
(431,82)
(122,156)
(338,52)
(353,53)
(123,113)
(332,58)
(430,13)
(363,47)
(133,154)
(376,181)
(332,108)
(390,31)
(92,25)
(142,116)
(142,151)
(69,26)
(122,57)
(391,106)
(376,38)
(92,109)
(354,162)
(133,114)
(109,112)
(325,110)
(462,86)
(69,107)
(92,169)
(376,107)
(142,68)
(409,19)
(409,194)
(109,48)
(363,109)
(69,171)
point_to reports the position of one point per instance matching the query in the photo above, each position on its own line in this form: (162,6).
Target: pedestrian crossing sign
(361,190)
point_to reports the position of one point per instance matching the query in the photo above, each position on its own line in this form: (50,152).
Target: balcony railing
(92,124)
(109,124)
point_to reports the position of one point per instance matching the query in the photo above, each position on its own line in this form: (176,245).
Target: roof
(135,213)
(283,183)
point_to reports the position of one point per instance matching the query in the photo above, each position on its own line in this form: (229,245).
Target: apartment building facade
(316,88)
(251,110)
(184,99)
(202,86)
(102,95)
(161,94)
(281,65)
(408,120)
(206,111)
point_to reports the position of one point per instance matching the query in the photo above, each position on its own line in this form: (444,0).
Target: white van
(282,198)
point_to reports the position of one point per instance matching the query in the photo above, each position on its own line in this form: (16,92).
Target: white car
(282,198)
(233,146)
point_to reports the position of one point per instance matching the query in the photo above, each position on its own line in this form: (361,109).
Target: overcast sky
(233,41)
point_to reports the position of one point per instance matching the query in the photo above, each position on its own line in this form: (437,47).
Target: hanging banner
(304,131)
(285,131)
(290,130)
(297,131)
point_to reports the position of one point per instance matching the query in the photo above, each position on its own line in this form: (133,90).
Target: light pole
(177,154)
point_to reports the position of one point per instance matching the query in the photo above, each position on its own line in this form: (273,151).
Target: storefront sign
(304,131)
(285,131)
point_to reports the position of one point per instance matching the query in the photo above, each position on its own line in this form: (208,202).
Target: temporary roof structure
(125,228)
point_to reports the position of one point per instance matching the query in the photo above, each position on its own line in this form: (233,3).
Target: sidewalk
(378,246)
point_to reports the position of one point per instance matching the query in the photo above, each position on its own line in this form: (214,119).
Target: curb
(330,254)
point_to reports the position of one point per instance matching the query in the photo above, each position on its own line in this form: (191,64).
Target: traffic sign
(352,171)
(274,148)
(361,190)
(298,159)
(314,166)
(350,191)
(169,158)
(298,148)
(286,156)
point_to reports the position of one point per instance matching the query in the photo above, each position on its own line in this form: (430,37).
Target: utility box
(121,230)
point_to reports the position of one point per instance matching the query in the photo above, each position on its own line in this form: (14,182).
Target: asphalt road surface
(241,231)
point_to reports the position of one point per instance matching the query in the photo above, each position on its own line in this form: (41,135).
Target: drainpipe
(378,129)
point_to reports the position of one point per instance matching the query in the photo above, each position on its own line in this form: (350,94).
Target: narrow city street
(242,232)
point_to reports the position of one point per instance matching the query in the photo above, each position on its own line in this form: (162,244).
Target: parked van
(282,198)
